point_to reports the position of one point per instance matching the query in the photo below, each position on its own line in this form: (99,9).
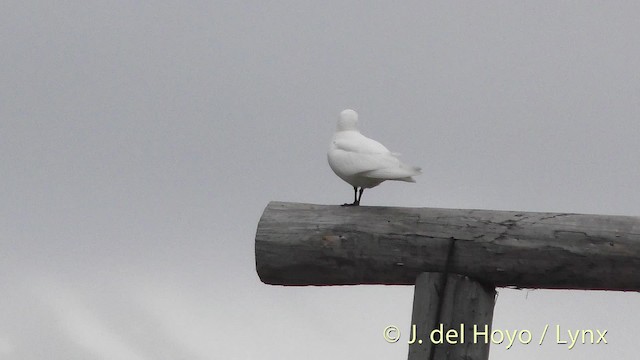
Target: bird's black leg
(356,201)
(360,196)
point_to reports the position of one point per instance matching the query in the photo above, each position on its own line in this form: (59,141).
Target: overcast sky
(140,143)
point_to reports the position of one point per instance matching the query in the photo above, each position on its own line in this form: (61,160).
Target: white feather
(364,162)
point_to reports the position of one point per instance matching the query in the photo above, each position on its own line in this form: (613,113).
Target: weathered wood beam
(305,244)
(448,321)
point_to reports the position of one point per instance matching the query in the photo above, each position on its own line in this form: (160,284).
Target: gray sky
(140,143)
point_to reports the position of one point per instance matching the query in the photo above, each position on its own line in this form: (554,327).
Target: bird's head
(348,120)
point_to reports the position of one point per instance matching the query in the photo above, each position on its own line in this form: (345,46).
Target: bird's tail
(407,179)
(402,173)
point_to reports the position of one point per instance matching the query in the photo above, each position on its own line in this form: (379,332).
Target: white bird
(363,162)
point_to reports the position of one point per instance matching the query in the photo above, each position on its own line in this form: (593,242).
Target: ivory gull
(363,162)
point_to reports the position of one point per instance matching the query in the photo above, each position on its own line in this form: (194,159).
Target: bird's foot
(357,203)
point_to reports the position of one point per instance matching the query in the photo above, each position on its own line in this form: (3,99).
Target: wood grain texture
(305,244)
(465,303)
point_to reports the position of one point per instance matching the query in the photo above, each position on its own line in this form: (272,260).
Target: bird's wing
(355,154)
(372,165)
(351,163)
(401,171)
(358,143)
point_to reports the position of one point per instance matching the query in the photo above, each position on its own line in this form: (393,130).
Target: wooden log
(305,244)
(450,323)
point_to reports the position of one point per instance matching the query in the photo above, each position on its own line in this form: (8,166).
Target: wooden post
(450,317)
(304,244)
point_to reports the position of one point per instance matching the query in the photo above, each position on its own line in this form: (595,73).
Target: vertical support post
(444,315)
